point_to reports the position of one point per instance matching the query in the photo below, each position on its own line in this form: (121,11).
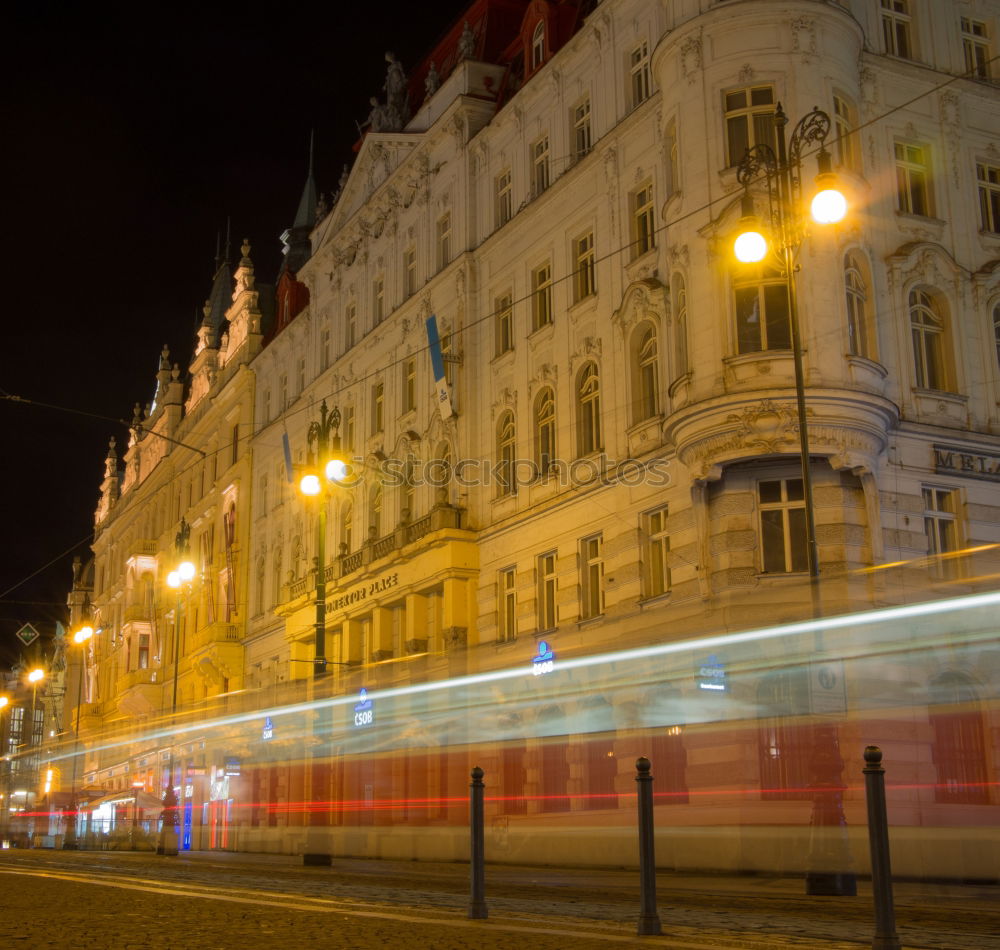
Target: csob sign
(268,731)
(364,711)
(544,661)
(712,675)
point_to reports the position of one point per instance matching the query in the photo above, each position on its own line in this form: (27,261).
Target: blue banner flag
(442,396)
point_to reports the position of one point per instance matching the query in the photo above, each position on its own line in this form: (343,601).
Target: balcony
(214,633)
(137,613)
(138,692)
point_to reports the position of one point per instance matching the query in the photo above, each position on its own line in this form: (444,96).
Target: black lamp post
(183,574)
(780,167)
(80,638)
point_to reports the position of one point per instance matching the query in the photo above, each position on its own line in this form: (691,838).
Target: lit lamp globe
(174,580)
(310,484)
(36,676)
(4,701)
(186,570)
(336,470)
(750,247)
(828,206)
(83,634)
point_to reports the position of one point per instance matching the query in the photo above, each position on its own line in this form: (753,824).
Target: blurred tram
(755,738)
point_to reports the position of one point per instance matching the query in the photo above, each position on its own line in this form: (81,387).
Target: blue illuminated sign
(364,711)
(544,661)
(712,675)
(268,731)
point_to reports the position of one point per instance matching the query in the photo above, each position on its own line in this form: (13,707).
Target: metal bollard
(649,920)
(878,840)
(477,873)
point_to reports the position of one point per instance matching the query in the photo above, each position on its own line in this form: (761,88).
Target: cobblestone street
(217,901)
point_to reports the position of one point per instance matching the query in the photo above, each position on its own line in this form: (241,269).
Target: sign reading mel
(951,460)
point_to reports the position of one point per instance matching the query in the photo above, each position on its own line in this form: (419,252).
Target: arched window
(588,394)
(927,330)
(959,750)
(856,296)
(276,578)
(545,429)
(680,314)
(646,373)
(538,45)
(762,316)
(505,454)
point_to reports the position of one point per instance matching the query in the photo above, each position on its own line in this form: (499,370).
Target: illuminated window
(540,166)
(782,525)
(913,179)
(589,410)
(643,220)
(541,296)
(761,302)
(506,605)
(988,177)
(591,576)
(584,278)
(927,332)
(639,80)
(506,447)
(503,307)
(581,128)
(545,570)
(503,206)
(975,45)
(545,429)
(656,543)
(142,657)
(749,120)
(896,22)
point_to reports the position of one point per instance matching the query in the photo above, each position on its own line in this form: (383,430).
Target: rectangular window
(591,577)
(378,407)
(988,177)
(913,179)
(584,283)
(975,45)
(444,240)
(409,272)
(638,66)
(896,28)
(673,166)
(503,206)
(324,349)
(845,121)
(142,659)
(643,221)
(378,299)
(450,360)
(782,525)
(283,391)
(940,520)
(350,325)
(300,382)
(581,128)
(749,120)
(657,550)
(234,456)
(267,405)
(347,429)
(540,166)
(503,307)
(762,316)
(409,384)
(541,297)
(506,606)
(545,569)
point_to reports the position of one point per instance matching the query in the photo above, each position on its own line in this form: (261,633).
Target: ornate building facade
(613,457)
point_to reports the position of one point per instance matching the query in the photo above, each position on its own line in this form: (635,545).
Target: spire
(219,298)
(305,217)
(298,247)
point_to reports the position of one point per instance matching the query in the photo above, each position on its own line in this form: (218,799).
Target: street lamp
(781,170)
(323,464)
(183,574)
(80,638)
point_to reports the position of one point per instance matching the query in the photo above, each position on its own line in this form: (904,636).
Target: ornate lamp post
(781,169)
(182,574)
(324,467)
(80,638)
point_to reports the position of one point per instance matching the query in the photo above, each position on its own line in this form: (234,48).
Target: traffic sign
(27,634)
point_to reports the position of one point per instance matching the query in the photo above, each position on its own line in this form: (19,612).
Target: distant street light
(70,841)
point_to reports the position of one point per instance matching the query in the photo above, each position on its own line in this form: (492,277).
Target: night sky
(128,142)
